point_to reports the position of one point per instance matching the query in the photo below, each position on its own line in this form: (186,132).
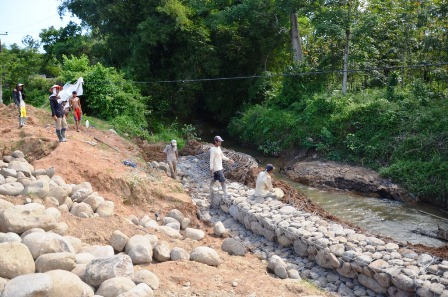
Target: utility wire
(277,74)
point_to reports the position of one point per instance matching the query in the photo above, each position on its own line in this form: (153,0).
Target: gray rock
(8,172)
(219,229)
(115,286)
(179,254)
(17,154)
(205,255)
(118,240)
(80,194)
(105,209)
(161,251)
(147,277)
(170,232)
(194,234)
(10,237)
(28,285)
(233,247)
(94,200)
(11,189)
(44,243)
(371,283)
(102,269)
(139,249)
(21,218)
(78,208)
(38,188)
(21,167)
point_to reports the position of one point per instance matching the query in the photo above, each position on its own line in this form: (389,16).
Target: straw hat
(55,86)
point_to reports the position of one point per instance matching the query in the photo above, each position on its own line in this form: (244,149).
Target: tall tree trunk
(295,37)
(346,52)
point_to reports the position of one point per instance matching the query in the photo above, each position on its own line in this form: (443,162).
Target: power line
(279,74)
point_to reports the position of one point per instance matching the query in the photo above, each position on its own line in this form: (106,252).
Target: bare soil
(97,157)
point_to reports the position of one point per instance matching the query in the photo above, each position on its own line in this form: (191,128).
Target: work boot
(63,135)
(58,133)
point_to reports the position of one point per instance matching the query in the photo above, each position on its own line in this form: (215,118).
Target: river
(377,215)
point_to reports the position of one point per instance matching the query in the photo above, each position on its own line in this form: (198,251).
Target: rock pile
(37,258)
(295,242)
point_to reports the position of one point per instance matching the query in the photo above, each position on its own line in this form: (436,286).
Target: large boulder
(205,255)
(102,269)
(233,247)
(45,243)
(115,286)
(21,218)
(55,261)
(147,277)
(29,285)
(15,260)
(24,167)
(139,249)
(38,188)
(11,189)
(68,284)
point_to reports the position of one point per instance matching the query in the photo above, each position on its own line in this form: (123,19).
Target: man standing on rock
(216,157)
(172,157)
(263,185)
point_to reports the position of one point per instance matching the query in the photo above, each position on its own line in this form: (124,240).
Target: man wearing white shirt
(263,185)
(216,157)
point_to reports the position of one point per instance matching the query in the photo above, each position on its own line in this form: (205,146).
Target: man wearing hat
(19,100)
(58,113)
(171,157)
(263,185)
(216,157)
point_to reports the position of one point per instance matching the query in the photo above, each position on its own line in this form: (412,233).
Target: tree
(66,40)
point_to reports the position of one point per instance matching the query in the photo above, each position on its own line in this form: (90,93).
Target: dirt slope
(139,192)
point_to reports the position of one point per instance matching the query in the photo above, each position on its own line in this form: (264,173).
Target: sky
(28,17)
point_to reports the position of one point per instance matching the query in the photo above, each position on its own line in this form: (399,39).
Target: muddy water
(379,216)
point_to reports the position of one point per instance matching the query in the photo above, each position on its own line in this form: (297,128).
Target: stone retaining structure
(383,267)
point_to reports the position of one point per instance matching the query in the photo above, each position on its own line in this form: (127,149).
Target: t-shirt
(216,157)
(170,152)
(263,185)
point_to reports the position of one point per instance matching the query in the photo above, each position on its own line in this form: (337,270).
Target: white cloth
(68,88)
(216,157)
(263,185)
(170,152)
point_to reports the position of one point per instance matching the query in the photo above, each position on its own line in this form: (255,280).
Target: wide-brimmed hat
(20,85)
(55,86)
(173,142)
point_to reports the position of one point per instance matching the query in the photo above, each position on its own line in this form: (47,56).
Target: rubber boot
(21,122)
(63,135)
(224,189)
(58,133)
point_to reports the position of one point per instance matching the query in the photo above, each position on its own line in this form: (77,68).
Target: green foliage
(406,138)
(297,87)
